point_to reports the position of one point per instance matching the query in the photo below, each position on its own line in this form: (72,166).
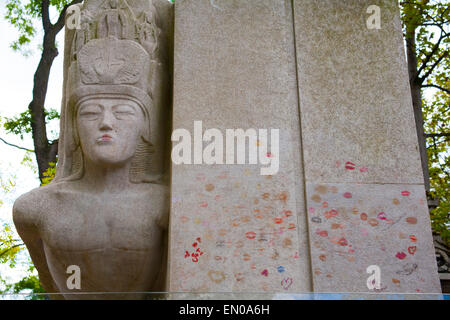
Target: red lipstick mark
(406,193)
(363,170)
(265,273)
(278,220)
(350,166)
(343,242)
(291,226)
(413,238)
(250,235)
(412,249)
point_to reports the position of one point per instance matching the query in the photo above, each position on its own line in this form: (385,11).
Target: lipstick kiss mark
(239,276)
(347,195)
(278,220)
(343,242)
(350,166)
(412,249)
(413,238)
(250,235)
(286,283)
(287,213)
(203,204)
(406,193)
(363,170)
(382,216)
(322,233)
(401,255)
(281,269)
(265,273)
(411,220)
(316,220)
(216,276)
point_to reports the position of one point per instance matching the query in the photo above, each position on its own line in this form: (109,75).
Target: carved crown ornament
(114,48)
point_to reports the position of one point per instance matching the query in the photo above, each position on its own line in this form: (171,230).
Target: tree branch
(15,146)
(45,15)
(422,79)
(435,86)
(14,246)
(433,135)
(430,55)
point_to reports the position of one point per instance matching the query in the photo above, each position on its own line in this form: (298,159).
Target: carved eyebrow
(93,107)
(124,107)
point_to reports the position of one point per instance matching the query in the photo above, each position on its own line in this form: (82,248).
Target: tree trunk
(416,95)
(45,152)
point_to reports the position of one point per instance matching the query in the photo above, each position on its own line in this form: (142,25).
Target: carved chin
(111,156)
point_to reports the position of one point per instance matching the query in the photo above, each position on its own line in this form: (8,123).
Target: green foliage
(27,161)
(21,13)
(49,174)
(9,246)
(437,119)
(21,124)
(428,21)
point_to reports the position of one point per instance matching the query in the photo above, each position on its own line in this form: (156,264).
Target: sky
(16,84)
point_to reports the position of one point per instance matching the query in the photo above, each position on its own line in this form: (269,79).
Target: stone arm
(28,231)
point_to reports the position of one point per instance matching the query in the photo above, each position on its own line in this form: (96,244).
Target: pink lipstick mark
(401,255)
(363,170)
(382,216)
(348,195)
(286,283)
(322,233)
(406,193)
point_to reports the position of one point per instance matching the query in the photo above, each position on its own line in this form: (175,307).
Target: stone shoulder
(29,208)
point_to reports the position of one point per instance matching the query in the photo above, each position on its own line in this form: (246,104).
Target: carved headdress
(112,55)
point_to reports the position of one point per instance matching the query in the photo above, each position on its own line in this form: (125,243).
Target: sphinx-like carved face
(109,130)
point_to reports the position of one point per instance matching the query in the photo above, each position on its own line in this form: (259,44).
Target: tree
(20,13)
(427,37)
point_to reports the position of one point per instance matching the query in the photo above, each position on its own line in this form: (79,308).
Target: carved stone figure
(106,211)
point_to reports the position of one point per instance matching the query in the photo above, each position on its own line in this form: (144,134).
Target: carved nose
(107,121)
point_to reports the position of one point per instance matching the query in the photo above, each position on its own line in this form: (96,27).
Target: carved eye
(124,111)
(91,112)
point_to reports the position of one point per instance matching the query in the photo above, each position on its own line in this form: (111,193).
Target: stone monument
(106,212)
(348,197)
(336,204)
